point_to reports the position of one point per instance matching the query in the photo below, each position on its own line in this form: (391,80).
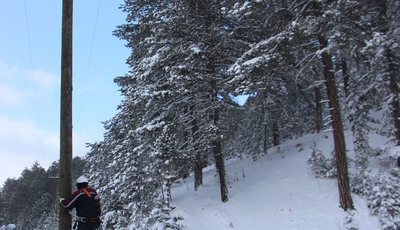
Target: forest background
(308,66)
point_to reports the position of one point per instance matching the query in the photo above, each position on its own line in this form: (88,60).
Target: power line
(34,81)
(88,64)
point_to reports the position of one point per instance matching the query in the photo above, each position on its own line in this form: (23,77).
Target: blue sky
(30,74)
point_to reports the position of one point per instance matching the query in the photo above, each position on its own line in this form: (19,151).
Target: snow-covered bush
(349,223)
(320,165)
(383,195)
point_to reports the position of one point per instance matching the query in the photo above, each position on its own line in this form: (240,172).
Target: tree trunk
(210,18)
(264,123)
(265,138)
(318,109)
(395,101)
(318,105)
(345,74)
(346,201)
(219,161)
(275,133)
(198,163)
(198,171)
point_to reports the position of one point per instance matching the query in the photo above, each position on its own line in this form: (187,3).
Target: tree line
(31,201)
(308,66)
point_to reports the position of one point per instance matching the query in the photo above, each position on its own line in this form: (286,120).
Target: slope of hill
(277,192)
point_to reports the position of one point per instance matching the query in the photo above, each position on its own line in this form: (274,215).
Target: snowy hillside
(276,192)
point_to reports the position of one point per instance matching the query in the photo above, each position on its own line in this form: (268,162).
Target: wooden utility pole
(65,222)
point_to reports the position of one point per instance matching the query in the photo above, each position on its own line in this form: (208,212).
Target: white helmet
(81,180)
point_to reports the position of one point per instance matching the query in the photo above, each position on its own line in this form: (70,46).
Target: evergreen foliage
(188,57)
(322,166)
(383,196)
(31,201)
(306,66)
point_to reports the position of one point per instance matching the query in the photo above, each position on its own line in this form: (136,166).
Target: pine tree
(318,18)
(171,106)
(22,210)
(374,22)
(386,40)
(269,69)
(308,23)
(191,60)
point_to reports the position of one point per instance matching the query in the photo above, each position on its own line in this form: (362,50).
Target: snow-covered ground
(277,192)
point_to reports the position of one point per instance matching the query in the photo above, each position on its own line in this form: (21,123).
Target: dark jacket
(82,200)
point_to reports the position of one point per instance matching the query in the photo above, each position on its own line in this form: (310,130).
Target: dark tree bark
(275,133)
(395,101)
(318,106)
(198,171)
(264,123)
(198,163)
(212,72)
(265,139)
(346,201)
(219,162)
(318,109)
(398,161)
(346,76)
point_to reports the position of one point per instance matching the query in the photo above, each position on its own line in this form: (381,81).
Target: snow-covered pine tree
(347,37)
(172,106)
(364,42)
(121,171)
(281,106)
(369,91)
(316,20)
(382,49)
(198,33)
(308,25)
(208,66)
(27,211)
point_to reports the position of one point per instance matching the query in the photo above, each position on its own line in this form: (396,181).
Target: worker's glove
(61,199)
